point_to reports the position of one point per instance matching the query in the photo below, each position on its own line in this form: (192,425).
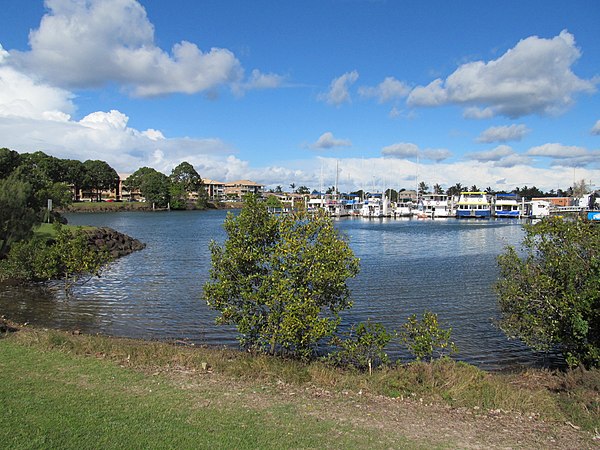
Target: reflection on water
(407,266)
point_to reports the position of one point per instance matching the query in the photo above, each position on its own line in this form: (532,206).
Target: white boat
(403,209)
(474,205)
(507,206)
(436,205)
(538,209)
(372,207)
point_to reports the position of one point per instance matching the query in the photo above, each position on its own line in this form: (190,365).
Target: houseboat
(474,205)
(403,208)
(436,205)
(507,206)
(373,206)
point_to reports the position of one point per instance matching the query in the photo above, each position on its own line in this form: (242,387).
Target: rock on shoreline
(116,243)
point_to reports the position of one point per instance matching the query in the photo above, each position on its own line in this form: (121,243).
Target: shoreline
(93,207)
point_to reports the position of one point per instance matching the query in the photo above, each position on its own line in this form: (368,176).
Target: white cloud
(474,112)
(596,129)
(501,156)
(327,141)
(557,151)
(21,96)
(504,133)
(495,154)
(534,77)
(401,150)
(259,80)
(436,154)
(408,150)
(338,89)
(388,90)
(90,44)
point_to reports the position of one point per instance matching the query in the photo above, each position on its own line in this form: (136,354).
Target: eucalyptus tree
(99,176)
(153,185)
(185,181)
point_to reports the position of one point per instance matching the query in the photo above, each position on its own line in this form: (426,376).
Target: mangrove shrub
(549,292)
(281,280)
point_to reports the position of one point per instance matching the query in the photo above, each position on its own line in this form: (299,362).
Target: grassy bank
(134,206)
(107,206)
(63,390)
(48,231)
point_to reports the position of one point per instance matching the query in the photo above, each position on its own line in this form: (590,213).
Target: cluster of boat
(430,206)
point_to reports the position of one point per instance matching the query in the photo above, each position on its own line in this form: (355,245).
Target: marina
(466,205)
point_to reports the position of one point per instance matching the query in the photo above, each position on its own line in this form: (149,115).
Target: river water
(446,266)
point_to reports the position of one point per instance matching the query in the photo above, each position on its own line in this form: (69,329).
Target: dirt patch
(430,424)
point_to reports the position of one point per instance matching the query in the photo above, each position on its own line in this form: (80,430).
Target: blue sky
(498,94)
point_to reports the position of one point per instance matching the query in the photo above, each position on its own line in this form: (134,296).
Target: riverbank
(61,389)
(93,207)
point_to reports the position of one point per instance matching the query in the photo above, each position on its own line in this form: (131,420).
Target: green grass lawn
(47,230)
(67,390)
(50,399)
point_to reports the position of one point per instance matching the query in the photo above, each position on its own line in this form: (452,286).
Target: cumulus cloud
(96,42)
(388,90)
(21,96)
(596,129)
(338,89)
(557,151)
(501,156)
(473,112)
(408,150)
(327,141)
(534,77)
(495,154)
(436,154)
(401,150)
(567,155)
(504,133)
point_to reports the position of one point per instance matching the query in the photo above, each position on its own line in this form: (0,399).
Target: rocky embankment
(116,243)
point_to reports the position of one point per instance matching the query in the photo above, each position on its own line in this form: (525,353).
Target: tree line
(29,180)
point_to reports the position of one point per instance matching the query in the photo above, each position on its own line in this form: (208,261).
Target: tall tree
(437,189)
(99,176)
(18,214)
(74,174)
(185,181)
(423,188)
(152,184)
(455,190)
(580,188)
(9,161)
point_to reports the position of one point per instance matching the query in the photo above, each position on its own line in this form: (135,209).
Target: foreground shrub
(549,293)
(426,338)
(281,280)
(363,347)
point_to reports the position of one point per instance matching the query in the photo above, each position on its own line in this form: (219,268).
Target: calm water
(446,266)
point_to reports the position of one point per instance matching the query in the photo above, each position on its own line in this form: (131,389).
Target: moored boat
(436,205)
(474,205)
(507,206)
